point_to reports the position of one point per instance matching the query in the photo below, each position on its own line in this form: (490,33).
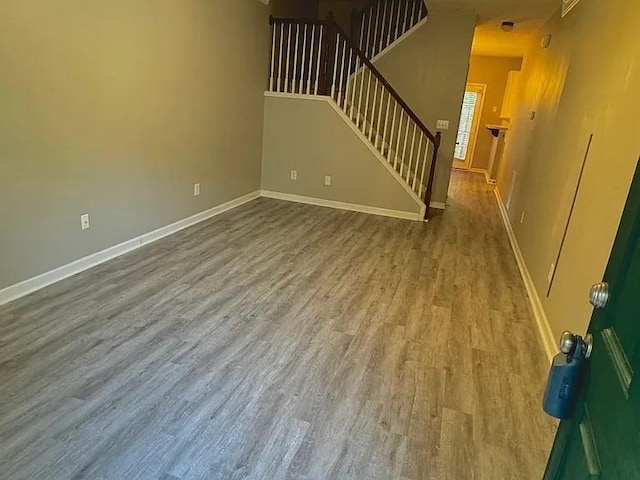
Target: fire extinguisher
(567,375)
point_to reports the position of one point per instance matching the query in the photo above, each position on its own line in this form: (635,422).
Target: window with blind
(466,125)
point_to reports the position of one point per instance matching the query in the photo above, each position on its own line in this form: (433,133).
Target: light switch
(442,125)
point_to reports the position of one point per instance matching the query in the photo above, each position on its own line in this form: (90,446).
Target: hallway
(284,341)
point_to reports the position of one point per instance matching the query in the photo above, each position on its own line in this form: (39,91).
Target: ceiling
(528,15)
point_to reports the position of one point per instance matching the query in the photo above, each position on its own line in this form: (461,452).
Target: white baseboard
(26,287)
(485,173)
(365,140)
(289,197)
(542,322)
(438,205)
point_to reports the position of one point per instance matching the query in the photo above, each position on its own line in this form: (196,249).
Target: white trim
(484,172)
(321,202)
(28,286)
(400,39)
(542,322)
(363,138)
(438,205)
(299,96)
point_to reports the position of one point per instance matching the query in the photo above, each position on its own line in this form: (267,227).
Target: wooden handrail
(382,80)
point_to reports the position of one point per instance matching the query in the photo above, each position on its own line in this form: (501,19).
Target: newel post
(432,173)
(327,54)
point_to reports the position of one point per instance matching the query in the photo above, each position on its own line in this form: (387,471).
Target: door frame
(481,89)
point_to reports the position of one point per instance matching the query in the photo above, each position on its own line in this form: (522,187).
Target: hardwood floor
(284,341)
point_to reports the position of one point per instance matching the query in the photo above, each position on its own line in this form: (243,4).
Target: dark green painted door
(602,439)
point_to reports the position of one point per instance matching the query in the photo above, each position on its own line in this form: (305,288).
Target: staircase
(317,58)
(381,22)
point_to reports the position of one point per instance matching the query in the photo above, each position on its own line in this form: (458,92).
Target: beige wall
(294,8)
(429,70)
(586,83)
(309,136)
(493,72)
(116,109)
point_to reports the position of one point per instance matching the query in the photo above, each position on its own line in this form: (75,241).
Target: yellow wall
(493,72)
(585,84)
(115,109)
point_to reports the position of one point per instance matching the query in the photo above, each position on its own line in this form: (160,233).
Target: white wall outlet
(84,221)
(327,181)
(294,175)
(495,109)
(442,125)
(522,217)
(552,270)
(196,189)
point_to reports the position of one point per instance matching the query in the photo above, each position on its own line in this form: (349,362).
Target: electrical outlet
(327,181)
(84,221)
(442,125)
(294,175)
(552,270)
(522,217)
(196,189)
(495,110)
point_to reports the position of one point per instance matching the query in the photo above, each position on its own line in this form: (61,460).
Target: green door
(602,439)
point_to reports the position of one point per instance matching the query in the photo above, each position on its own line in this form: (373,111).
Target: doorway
(469,125)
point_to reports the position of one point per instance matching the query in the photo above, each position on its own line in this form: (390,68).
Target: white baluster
(353,93)
(424,166)
(395,160)
(366,105)
(406,140)
(359,112)
(286,79)
(311,47)
(335,68)
(362,23)
(344,55)
(390,23)
(393,127)
(384,18)
(346,86)
(295,60)
(303,60)
(281,50)
(406,17)
(382,90)
(375,31)
(373,109)
(413,144)
(366,47)
(415,175)
(273,60)
(398,20)
(319,55)
(413,15)
(386,120)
